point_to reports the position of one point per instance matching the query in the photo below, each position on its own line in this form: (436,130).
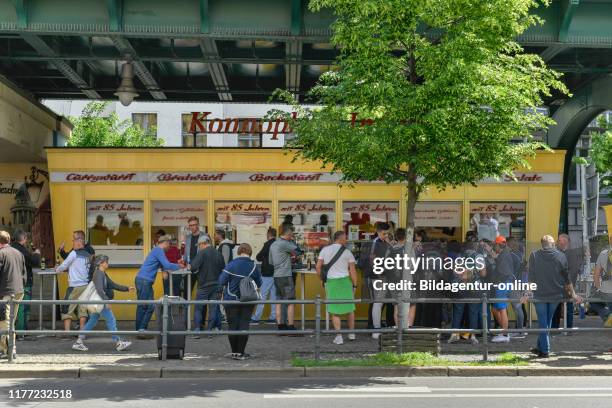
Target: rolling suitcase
(177,321)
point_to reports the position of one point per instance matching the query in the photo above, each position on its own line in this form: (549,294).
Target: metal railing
(166,302)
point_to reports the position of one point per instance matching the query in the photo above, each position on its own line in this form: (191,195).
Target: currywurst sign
(250,177)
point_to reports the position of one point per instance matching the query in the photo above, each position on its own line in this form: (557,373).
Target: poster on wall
(254,235)
(12,178)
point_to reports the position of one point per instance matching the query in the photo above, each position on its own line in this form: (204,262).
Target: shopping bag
(90,293)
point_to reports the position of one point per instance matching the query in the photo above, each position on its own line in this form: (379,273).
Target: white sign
(497,208)
(432,214)
(257,177)
(370,207)
(176,213)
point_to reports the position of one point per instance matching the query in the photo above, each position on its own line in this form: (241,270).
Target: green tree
(429,93)
(95,129)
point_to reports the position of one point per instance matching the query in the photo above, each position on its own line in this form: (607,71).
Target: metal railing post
(11,329)
(189,306)
(565,316)
(164,333)
(530,311)
(318,327)
(400,327)
(485,328)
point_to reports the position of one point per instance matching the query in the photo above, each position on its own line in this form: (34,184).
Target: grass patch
(414,359)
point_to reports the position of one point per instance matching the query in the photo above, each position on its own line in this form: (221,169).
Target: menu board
(176,213)
(435,214)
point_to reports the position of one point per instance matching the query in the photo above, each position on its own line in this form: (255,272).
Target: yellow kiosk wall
(68,199)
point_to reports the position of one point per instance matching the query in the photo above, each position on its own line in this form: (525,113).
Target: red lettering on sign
(197,121)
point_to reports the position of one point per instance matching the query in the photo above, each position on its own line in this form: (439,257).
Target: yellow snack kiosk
(122,197)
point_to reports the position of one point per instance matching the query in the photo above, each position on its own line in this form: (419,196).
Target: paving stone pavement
(585,349)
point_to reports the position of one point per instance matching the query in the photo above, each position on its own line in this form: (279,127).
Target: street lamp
(126,91)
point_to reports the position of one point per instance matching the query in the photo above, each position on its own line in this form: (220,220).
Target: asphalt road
(432,392)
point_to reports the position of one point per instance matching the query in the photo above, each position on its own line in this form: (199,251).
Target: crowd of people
(218,267)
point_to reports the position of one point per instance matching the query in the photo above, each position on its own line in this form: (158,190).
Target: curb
(564,371)
(475,371)
(272,372)
(22,372)
(356,372)
(119,372)
(295,372)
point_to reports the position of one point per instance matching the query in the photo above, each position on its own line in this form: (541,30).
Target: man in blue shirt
(146,276)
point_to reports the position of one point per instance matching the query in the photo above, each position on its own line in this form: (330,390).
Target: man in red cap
(504,274)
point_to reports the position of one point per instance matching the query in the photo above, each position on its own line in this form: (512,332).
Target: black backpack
(231,252)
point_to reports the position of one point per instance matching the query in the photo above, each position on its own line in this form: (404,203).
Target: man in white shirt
(77,264)
(336,268)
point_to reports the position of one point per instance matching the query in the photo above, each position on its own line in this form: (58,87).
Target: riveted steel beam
(216,69)
(62,66)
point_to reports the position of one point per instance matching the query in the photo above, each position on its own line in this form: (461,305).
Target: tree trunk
(408,274)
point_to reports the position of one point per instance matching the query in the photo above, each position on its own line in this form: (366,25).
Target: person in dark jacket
(207,266)
(267,273)
(105,288)
(548,270)
(380,247)
(32,259)
(12,281)
(239,316)
(504,274)
(574,265)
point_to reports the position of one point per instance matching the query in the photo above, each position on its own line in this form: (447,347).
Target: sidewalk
(51,356)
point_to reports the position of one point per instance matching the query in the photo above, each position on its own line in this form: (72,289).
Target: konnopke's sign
(201,123)
(254,177)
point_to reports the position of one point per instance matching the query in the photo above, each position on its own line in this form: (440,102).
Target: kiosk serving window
(171,217)
(313,221)
(490,219)
(115,228)
(360,217)
(244,221)
(439,220)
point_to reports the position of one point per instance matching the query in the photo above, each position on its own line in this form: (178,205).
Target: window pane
(147,121)
(359,218)
(189,137)
(171,217)
(488,220)
(313,222)
(244,221)
(115,228)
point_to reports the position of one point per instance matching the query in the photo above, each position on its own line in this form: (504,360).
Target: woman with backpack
(239,316)
(105,288)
